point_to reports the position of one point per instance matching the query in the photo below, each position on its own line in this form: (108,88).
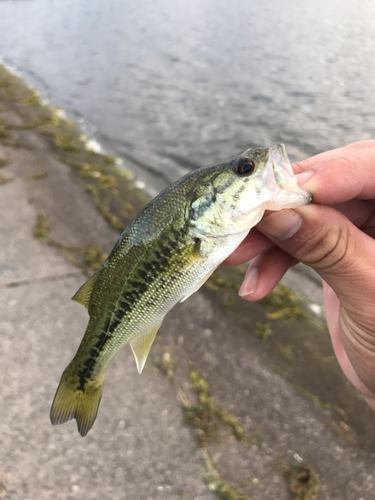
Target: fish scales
(165,254)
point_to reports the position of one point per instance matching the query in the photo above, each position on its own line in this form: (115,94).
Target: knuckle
(329,249)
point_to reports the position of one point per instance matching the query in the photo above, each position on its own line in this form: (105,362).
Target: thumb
(324,239)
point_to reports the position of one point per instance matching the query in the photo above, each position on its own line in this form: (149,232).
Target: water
(170,86)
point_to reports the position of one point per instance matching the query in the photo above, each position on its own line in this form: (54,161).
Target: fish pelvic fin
(83,295)
(76,400)
(142,344)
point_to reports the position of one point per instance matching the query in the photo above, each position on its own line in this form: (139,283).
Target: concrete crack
(15,284)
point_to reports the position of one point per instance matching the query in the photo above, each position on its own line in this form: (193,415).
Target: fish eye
(245,166)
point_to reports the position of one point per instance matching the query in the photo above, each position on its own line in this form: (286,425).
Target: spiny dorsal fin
(142,344)
(84,293)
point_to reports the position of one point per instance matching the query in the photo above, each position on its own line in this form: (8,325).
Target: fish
(165,254)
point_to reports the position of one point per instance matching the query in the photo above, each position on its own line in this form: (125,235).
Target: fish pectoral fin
(84,293)
(142,344)
(199,284)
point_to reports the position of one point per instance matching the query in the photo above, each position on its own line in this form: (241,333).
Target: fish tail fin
(74,400)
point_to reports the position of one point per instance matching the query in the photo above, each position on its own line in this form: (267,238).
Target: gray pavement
(140,448)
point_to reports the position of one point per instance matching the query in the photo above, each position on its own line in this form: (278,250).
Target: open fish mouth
(279,179)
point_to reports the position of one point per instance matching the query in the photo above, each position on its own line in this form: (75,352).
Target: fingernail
(280,225)
(250,282)
(304,177)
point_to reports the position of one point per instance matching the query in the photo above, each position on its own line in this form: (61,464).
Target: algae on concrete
(37,176)
(302,479)
(205,417)
(4,180)
(113,188)
(41,228)
(87,257)
(4,162)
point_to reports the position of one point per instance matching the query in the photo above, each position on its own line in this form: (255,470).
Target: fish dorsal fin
(84,293)
(142,344)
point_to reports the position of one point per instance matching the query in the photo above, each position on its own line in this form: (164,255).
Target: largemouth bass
(166,253)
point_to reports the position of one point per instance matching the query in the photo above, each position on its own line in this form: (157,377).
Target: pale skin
(335,235)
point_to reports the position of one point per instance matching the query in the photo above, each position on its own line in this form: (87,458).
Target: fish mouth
(279,179)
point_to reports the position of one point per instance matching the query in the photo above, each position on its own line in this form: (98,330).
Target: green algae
(112,188)
(113,220)
(205,417)
(202,416)
(65,141)
(223,489)
(37,176)
(4,180)
(281,303)
(4,162)
(319,402)
(284,304)
(32,100)
(94,258)
(41,228)
(4,129)
(3,486)
(89,258)
(343,430)
(286,351)
(302,479)
(262,330)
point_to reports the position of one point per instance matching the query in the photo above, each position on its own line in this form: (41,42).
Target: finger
(343,178)
(254,244)
(327,156)
(361,213)
(324,239)
(264,273)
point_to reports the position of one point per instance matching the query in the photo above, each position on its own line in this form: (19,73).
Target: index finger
(327,156)
(346,177)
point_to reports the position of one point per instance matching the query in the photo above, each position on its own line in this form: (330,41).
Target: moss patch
(319,402)
(205,417)
(41,228)
(283,303)
(4,162)
(4,129)
(4,180)
(302,479)
(38,176)
(67,142)
(87,257)
(223,489)
(113,189)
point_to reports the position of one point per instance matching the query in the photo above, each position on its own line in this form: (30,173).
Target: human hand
(335,235)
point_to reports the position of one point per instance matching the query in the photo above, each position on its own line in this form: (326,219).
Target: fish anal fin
(198,285)
(142,344)
(84,293)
